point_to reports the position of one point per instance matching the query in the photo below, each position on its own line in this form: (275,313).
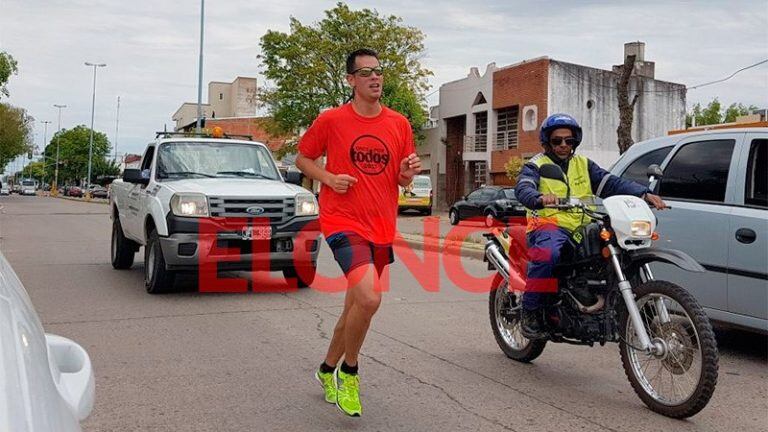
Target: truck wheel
(156,278)
(304,277)
(122,250)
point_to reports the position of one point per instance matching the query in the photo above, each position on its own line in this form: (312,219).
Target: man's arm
(527,188)
(340,183)
(605,184)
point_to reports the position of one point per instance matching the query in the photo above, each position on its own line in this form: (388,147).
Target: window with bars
(506,128)
(481,131)
(480,173)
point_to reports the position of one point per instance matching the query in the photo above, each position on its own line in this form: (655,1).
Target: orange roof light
(217,132)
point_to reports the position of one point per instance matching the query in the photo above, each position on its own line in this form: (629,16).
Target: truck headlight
(641,229)
(306,205)
(189,205)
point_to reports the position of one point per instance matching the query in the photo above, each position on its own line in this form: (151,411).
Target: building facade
(484,120)
(225,100)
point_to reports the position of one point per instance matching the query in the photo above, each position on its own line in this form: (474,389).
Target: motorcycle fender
(670,256)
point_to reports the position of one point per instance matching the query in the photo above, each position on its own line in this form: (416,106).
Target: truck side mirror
(132,175)
(293,177)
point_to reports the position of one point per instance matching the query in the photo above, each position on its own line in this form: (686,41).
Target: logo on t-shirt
(369,154)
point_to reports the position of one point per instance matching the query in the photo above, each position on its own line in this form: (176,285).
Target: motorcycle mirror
(552,171)
(654,171)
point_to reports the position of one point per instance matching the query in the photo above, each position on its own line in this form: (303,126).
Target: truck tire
(157,279)
(304,277)
(122,250)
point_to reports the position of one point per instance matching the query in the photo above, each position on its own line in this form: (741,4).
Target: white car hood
(235,187)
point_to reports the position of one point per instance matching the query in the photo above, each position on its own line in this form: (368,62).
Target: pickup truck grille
(278,210)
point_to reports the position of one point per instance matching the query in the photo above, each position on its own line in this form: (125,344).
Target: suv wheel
(156,278)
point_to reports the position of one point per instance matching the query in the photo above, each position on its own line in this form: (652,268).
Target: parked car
(417,195)
(5,190)
(717,185)
(48,380)
(493,204)
(28,187)
(74,191)
(98,191)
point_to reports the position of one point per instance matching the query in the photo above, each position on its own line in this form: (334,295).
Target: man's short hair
(359,53)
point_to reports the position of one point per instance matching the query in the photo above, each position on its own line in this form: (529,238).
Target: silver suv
(717,184)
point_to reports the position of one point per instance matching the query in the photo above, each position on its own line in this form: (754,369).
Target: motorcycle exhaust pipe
(497,258)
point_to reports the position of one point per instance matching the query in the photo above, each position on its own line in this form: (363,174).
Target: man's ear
(350,80)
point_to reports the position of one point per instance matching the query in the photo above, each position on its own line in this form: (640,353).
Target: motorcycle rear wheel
(680,382)
(504,309)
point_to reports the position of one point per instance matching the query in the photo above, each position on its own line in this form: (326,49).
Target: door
(136,194)
(748,234)
(467,209)
(695,185)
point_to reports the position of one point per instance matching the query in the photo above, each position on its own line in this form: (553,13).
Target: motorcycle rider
(549,228)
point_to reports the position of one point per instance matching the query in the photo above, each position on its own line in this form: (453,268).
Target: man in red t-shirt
(370,151)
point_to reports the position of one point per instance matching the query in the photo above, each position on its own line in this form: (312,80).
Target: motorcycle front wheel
(679,381)
(504,308)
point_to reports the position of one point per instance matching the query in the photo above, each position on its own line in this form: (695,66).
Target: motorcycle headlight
(306,205)
(641,229)
(189,205)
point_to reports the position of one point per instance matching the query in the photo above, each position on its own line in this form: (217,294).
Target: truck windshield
(177,160)
(28,183)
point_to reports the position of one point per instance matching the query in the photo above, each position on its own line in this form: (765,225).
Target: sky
(151,48)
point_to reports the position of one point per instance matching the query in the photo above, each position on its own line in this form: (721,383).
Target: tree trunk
(626,108)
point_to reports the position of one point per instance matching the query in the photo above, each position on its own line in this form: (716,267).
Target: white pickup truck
(189,193)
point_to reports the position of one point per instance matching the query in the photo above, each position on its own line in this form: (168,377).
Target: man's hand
(340,183)
(655,201)
(410,166)
(548,199)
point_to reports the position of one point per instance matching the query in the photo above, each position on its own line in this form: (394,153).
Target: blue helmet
(558,121)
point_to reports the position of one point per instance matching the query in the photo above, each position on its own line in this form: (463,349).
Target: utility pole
(55,187)
(93,109)
(200,71)
(117,124)
(45,144)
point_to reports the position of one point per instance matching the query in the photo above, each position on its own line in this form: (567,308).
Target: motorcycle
(607,293)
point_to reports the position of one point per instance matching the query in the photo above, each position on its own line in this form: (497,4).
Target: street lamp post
(55,188)
(45,139)
(93,108)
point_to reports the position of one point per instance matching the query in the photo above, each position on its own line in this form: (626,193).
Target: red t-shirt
(369,149)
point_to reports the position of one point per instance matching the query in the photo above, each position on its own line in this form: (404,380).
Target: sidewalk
(435,233)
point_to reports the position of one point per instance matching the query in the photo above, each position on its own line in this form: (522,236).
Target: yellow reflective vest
(581,187)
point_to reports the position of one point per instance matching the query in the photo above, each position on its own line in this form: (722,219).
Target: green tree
(8,67)
(307,66)
(15,133)
(735,110)
(713,113)
(73,155)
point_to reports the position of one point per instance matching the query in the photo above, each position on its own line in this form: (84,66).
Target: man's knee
(369,302)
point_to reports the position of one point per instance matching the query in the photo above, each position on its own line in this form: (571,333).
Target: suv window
(756,191)
(636,171)
(147,162)
(698,171)
(489,194)
(475,195)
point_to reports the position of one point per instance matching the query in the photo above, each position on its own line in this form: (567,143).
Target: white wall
(659,109)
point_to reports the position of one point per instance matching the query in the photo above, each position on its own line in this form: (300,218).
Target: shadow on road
(742,343)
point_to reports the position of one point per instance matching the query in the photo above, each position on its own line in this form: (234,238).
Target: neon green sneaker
(348,393)
(329,386)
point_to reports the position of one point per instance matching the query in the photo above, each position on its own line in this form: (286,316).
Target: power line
(729,76)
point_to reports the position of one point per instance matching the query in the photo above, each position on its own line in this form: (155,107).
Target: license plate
(259,232)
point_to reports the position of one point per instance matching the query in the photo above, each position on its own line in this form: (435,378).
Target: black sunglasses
(556,141)
(365,72)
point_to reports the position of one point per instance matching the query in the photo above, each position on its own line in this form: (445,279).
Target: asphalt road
(244,362)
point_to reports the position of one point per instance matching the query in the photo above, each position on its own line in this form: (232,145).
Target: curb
(416,242)
(79,200)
